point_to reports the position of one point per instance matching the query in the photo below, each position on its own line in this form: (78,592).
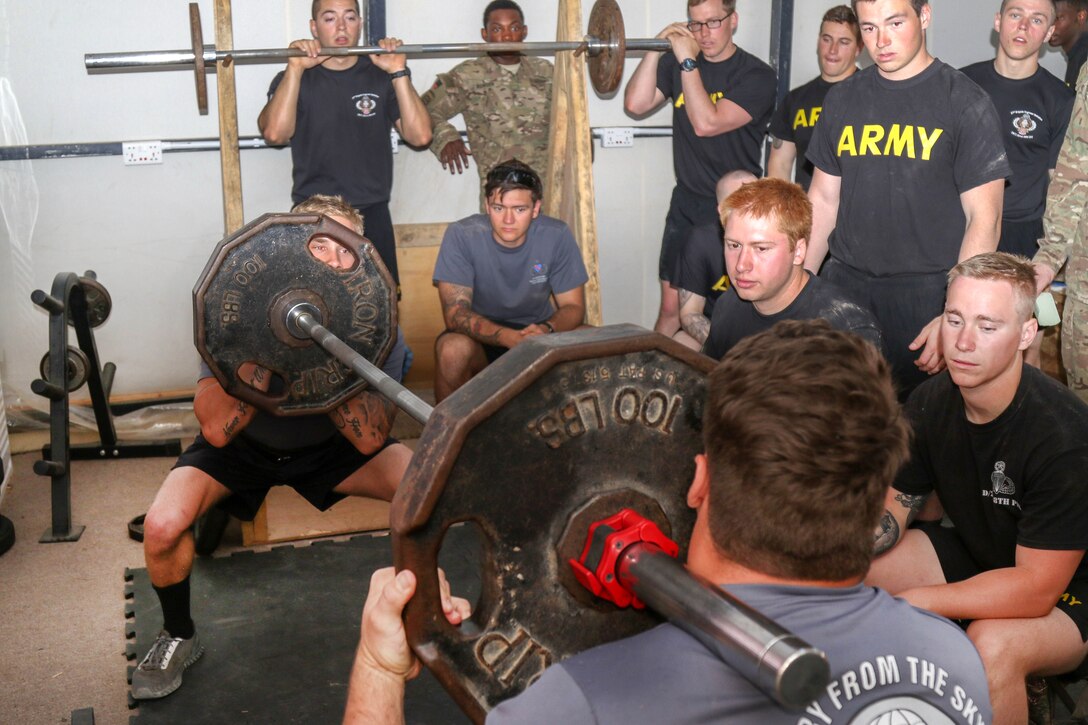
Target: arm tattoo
(458,310)
(887,533)
(696,325)
(367,418)
(232,425)
(684,294)
(776,142)
(913,504)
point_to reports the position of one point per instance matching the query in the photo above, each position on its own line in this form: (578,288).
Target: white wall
(147,231)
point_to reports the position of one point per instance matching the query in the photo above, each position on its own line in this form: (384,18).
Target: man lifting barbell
(239,454)
(798,454)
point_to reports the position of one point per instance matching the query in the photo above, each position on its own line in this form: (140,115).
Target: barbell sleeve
(186,57)
(775,660)
(399,395)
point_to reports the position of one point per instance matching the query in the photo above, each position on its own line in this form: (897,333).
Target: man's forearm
(697,325)
(567,317)
(375,697)
(415,122)
(1008,593)
(365,420)
(638,97)
(478,327)
(277,119)
(780,162)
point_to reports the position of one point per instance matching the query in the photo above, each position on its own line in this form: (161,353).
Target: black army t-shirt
(905,151)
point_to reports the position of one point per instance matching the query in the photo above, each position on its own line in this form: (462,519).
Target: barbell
(604,43)
(558,434)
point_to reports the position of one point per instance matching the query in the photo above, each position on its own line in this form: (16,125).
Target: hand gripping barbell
(555,436)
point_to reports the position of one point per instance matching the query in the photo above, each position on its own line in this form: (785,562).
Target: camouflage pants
(1075,345)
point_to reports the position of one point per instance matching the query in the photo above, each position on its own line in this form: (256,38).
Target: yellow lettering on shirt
(847,146)
(721,285)
(714,98)
(898,141)
(928,142)
(870,135)
(806,118)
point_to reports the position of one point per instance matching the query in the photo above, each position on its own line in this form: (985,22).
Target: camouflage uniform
(1066,240)
(506,114)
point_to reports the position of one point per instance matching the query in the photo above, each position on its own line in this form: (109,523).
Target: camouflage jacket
(506,114)
(1065,225)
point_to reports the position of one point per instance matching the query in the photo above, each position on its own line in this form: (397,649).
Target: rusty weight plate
(196,35)
(560,431)
(606,67)
(252,279)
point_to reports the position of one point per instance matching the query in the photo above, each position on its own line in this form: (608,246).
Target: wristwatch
(402,73)
(688,65)
(548,325)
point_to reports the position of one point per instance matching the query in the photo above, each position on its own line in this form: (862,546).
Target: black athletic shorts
(1020,237)
(902,305)
(958,564)
(249,470)
(687,210)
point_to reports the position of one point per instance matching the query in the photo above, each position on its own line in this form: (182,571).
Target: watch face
(688,64)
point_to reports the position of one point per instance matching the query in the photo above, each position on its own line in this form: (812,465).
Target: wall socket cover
(613,137)
(135,153)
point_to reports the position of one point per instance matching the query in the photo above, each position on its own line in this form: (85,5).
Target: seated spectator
(700,274)
(497,275)
(1003,447)
(767,224)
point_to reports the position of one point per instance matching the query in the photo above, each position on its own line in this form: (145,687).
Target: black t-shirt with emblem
(905,151)
(342,142)
(702,265)
(795,119)
(1017,480)
(1034,113)
(743,79)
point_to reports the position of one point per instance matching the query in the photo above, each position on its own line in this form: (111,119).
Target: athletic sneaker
(159,673)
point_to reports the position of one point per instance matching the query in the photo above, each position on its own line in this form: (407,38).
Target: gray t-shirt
(887,659)
(511,285)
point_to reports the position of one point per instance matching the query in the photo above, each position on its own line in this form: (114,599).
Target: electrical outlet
(613,137)
(141,152)
(394,138)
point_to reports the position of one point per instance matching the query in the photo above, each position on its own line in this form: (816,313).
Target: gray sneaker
(159,673)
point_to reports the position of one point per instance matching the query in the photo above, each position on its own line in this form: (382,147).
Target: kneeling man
(767,224)
(497,275)
(1004,448)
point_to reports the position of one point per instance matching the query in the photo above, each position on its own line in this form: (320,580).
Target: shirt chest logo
(365,104)
(1024,124)
(539,273)
(1002,488)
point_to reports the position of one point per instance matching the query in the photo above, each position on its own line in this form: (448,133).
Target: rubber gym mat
(280,628)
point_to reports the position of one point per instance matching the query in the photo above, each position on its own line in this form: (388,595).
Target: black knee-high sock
(175,609)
